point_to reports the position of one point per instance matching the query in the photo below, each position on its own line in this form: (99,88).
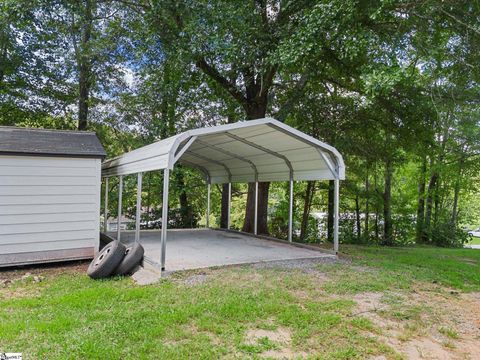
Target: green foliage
(457,268)
(394,88)
(446,234)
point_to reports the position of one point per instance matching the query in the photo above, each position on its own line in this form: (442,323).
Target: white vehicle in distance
(474,233)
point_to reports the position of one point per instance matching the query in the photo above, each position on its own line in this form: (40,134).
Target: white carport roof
(246,151)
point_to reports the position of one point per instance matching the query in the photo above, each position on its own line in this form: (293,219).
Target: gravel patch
(306,265)
(196,279)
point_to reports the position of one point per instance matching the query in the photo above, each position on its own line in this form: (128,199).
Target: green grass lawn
(475,241)
(236,312)
(456,268)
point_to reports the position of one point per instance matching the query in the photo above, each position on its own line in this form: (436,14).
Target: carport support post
(139,207)
(119,213)
(166,180)
(208,203)
(290,210)
(336,215)
(255,218)
(229,204)
(105,210)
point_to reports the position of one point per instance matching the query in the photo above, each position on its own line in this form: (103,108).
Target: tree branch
(460,22)
(136,6)
(283,112)
(266,80)
(222,81)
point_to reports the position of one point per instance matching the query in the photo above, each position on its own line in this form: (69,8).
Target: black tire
(107,260)
(104,240)
(133,257)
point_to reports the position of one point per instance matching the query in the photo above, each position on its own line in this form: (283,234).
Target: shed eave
(47,154)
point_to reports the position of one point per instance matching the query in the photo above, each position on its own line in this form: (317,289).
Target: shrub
(446,234)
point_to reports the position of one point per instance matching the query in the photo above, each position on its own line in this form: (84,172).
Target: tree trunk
(377,210)
(256,110)
(330,215)
(186,212)
(455,202)
(357,215)
(432,198)
(3,54)
(367,206)
(436,201)
(248,224)
(307,205)
(429,206)
(387,212)
(84,63)
(224,211)
(224,207)
(421,202)
(377,207)
(456,192)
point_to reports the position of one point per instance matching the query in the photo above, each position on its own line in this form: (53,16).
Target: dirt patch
(44,270)
(469,261)
(368,302)
(436,323)
(305,265)
(281,337)
(425,348)
(284,353)
(18,293)
(16,282)
(189,331)
(196,279)
(300,295)
(241,279)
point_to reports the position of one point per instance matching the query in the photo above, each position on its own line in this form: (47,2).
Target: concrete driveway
(202,248)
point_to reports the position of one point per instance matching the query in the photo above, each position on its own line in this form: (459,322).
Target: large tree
(252,51)
(91,44)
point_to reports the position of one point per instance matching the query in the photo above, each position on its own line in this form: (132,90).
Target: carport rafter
(213,161)
(261,148)
(289,165)
(228,153)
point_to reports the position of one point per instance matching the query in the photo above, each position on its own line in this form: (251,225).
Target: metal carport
(247,151)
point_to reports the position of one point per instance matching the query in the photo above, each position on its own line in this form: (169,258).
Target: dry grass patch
(424,324)
(276,344)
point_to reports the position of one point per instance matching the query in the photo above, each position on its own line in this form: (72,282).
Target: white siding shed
(49,195)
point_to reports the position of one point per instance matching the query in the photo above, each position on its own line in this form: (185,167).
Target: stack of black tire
(115,258)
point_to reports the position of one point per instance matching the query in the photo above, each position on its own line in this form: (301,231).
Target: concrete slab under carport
(202,248)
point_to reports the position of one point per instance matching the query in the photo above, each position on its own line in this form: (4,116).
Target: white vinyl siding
(48,203)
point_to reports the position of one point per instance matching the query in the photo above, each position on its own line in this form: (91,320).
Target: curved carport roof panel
(247,151)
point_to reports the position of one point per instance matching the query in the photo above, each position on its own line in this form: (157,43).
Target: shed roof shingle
(28,141)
